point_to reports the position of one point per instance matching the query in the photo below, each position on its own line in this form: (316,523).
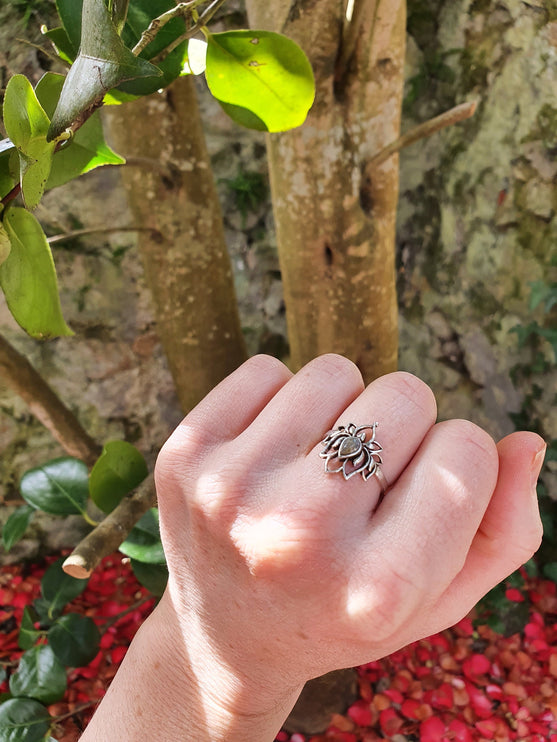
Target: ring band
(345,448)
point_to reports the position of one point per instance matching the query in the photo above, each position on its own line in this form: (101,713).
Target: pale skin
(280,572)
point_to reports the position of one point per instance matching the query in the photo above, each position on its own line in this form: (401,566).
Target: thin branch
(450,117)
(12,195)
(114,619)
(45,404)
(109,534)
(202,21)
(38,47)
(157,23)
(98,230)
(76,710)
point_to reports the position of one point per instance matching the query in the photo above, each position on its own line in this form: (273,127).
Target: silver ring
(346,449)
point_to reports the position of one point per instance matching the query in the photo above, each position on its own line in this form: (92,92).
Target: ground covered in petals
(468,684)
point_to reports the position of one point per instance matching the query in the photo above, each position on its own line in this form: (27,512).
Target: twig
(38,47)
(157,23)
(450,117)
(76,710)
(114,619)
(203,19)
(12,195)
(98,230)
(45,404)
(109,534)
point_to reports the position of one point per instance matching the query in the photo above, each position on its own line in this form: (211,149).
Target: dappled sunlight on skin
(280,571)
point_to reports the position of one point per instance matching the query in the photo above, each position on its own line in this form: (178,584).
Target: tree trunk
(335,227)
(171,192)
(334,215)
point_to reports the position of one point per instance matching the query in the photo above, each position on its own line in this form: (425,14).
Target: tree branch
(45,404)
(204,18)
(99,230)
(109,534)
(450,117)
(157,23)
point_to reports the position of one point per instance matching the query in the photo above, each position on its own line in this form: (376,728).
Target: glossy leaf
(263,73)
(86,150)
(118,470)
(62,43)
(28,634)
(5,244)
(28,277)
(74,640)
(58,588)
(59,487)
(40,675)
(152,576)
(144,542)
(140,14)
(23,720)
(16,525)
(103,62)
(196,61)
(27,125)
(70,15)
(9,166)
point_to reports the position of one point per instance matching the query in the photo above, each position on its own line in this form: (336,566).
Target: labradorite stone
(350,447)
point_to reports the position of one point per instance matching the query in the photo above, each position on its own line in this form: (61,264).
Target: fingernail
(537,463)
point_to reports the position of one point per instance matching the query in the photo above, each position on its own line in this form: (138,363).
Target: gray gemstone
(349,447)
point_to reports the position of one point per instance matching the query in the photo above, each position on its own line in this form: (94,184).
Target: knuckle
(336,366)
(471,444)
(409,389)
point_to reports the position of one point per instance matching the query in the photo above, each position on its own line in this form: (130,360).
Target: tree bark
(335,218)
(172,194)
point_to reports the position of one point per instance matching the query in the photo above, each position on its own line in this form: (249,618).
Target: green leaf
(103,63)
(196,60)
(144,541)
(117,471)
(543,292)
(86,150)
(9,166)
(28,277)
(140,14)
(5,244)
(70,15)
(16,525)
(550,571)
(27,125)
(59,487)
(28,634)
(263,73)
(40,675)
(74,639)
(58,588)
(62,43)
(23,720)
(152,576)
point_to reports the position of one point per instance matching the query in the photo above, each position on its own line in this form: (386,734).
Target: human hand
(280,572)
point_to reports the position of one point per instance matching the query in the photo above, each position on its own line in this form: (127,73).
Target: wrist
(173,685)
(240,700)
